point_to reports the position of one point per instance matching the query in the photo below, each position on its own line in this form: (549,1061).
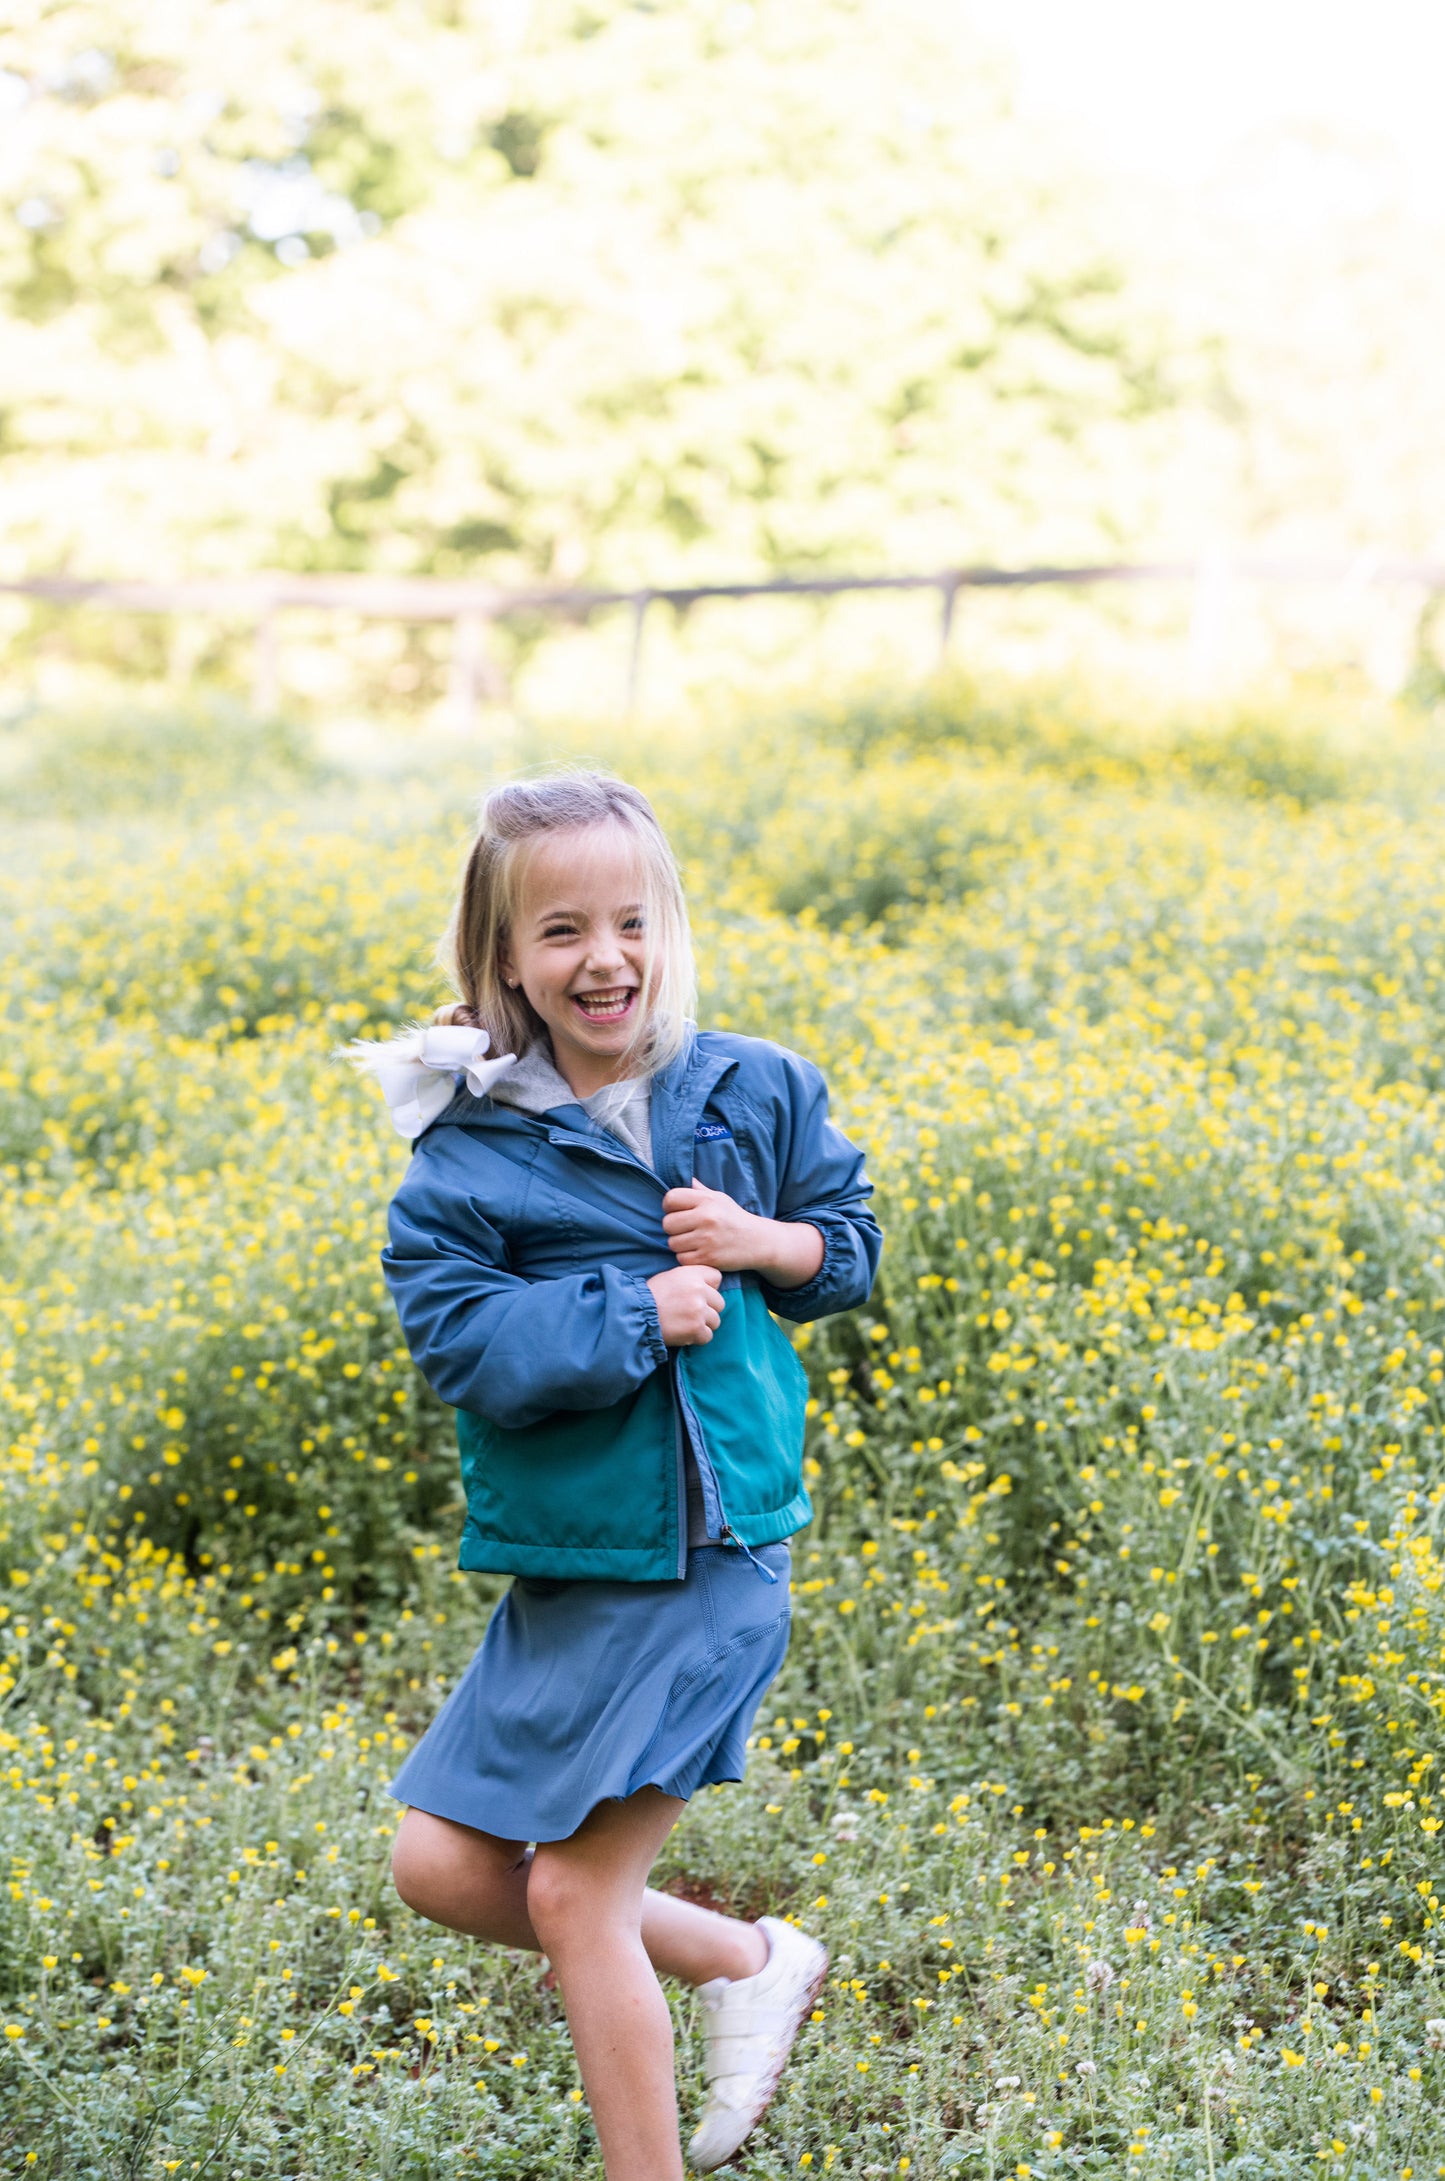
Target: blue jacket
(519,1254)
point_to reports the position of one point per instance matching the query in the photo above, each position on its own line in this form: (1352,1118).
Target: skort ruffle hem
(581,1692)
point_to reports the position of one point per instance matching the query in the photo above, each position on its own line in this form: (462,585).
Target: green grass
(1105,1757)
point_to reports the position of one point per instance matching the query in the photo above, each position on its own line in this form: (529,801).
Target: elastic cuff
(651,1323)
(796,1302)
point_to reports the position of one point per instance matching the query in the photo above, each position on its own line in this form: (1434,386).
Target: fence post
(265,669)
(640,603)
(948,598)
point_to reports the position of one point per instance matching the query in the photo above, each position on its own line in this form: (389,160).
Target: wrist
(792,1252)
(759,1245)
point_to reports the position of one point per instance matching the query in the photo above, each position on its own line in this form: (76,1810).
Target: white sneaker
(750,2024)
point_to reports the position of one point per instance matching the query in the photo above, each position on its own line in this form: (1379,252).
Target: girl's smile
(578,950)
(609,1006)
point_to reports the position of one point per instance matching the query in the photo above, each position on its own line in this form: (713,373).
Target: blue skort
(581,1692)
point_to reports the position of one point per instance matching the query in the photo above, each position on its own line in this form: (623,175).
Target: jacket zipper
(622,1156)
(728,1534)
(746,1550)
(681,1460)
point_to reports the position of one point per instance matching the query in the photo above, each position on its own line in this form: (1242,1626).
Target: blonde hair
(514,819)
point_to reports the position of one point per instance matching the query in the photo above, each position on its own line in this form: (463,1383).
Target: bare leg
(584,1896)
(585,1902)
(477,1883)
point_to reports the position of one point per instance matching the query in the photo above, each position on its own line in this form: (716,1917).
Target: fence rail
(473,606)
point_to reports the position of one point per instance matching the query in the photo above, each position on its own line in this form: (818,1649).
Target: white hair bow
(418,1073)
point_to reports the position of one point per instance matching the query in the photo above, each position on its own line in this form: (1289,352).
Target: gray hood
(535,1085)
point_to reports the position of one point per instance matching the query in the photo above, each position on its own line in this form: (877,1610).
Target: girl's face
(577,951)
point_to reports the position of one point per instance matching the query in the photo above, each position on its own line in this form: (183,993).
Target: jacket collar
(679,1093)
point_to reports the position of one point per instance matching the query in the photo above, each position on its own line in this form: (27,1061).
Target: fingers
(682,1200)
(708,1320)
(696,1235)
(684,1220)
(710,1305)
(696,1250)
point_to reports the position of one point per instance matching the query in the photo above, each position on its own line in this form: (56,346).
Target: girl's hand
(689,1307)
(708,1227)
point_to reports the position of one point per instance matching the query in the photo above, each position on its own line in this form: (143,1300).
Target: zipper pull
(731,1537)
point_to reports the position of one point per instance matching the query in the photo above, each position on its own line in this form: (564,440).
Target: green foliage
(103,763)
(1106,1753)
(898,834)
(1246,750)
(538,294)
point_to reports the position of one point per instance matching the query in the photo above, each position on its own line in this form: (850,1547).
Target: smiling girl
(603,1210)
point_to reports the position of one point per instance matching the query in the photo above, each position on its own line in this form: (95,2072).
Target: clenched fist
(689,1307)
(708,1227)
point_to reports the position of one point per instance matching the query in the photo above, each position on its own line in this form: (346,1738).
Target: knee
(571,1905)
(558,1898)
(426,1866)
(456,1877)
(413,1871)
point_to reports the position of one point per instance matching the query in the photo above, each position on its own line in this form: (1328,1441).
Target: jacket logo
(713,1132)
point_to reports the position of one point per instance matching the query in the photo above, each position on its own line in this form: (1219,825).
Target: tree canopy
(566,290)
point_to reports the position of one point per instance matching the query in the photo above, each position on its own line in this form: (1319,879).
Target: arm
(788,1252)
(708,1227)
(509,1349)
(820,1254)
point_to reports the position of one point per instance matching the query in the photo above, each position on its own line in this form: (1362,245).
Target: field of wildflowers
(1107,1753)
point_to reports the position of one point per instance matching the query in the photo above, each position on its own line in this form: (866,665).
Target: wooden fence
(472,607)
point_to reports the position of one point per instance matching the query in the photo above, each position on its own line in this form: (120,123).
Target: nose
(605,957)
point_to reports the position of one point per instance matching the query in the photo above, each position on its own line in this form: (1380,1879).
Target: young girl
(603,1208)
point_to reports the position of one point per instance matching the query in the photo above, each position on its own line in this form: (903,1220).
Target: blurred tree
(565,290)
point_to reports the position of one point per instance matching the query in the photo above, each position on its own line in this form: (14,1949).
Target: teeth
(601,1006)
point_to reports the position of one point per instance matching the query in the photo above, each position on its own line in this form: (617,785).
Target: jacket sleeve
(509,1349)
(821,1182)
